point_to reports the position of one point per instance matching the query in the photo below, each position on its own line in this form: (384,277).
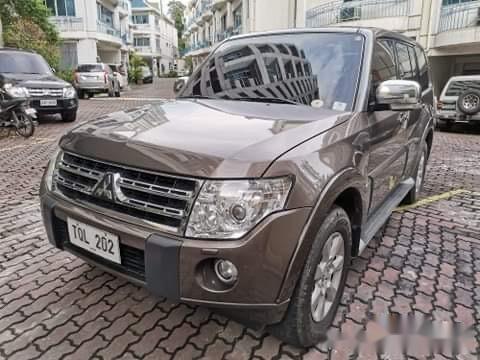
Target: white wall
(87,51)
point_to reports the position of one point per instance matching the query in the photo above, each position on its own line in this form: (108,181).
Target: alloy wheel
(328,275)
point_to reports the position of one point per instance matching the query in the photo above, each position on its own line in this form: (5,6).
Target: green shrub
(26,34)
(135,71)
(67,75)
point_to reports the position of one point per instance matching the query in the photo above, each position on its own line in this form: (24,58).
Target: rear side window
(405,66)
(455,88)
(423,77)
(90,68)
(383,66)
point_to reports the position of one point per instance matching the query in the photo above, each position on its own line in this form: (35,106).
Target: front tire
(318,292)
(69,116)
(24,125)
(414,194)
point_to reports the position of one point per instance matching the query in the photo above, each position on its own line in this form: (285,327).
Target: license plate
(48,102)
(98,242)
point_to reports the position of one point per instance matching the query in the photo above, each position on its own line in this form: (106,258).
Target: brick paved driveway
(52,305)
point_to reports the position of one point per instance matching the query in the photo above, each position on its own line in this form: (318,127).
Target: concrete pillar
(87,51)
(229,15)
(1,34)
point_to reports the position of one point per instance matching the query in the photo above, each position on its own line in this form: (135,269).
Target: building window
(451,2)
(61,7)
(237,17)
(141,41)
(104,15)
(223,25)
(140,19)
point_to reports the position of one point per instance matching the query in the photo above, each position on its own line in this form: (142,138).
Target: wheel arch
(349,190)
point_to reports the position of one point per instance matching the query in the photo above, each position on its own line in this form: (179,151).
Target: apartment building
(447,29)
(92,30)
(107,30)
(211,21)
(154,36)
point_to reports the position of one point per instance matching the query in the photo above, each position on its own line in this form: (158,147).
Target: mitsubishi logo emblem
(108,188)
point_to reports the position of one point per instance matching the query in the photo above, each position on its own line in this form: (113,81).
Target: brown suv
(280,159)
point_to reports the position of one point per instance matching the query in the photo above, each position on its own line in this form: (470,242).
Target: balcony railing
(459,16)
(107,29)
(67,23)
(338,11)
(144,49)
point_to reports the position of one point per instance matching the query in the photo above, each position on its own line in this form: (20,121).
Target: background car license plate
(48,102)
(96,241)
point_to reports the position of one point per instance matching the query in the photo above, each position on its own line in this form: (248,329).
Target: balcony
(459,16)
(338,12)
(458,26)
(107,29)
(67,23)
(123,8)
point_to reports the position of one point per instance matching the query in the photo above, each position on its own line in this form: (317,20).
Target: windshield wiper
(267,100)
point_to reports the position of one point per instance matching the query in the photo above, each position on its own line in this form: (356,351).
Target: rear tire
(302,326)
(414,194)
(69,116)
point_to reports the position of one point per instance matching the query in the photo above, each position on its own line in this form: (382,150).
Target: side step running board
(381,215)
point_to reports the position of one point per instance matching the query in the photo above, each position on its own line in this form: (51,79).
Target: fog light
(226,271)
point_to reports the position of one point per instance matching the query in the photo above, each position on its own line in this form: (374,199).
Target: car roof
(374,31)
(10,49)
(464,77)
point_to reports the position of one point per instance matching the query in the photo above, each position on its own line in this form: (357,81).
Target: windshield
(315,69)
(22,63)
(457,87)
(90,68)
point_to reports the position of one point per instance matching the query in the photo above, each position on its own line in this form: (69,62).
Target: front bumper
(62,105)
(178,268)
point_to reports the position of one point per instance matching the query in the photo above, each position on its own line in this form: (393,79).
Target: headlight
(229,209)
(51,168)
(17,91)
(69,92)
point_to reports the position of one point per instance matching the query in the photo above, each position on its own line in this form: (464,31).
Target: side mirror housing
(399,95)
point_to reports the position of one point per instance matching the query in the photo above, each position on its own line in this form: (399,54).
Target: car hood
(36,80)
(204,138)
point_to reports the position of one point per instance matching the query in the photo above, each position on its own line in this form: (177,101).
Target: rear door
(91,76)
(387,157)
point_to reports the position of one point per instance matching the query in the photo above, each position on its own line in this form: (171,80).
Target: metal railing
(143,49)
(459,16)
(107,29)
(67,23)
(339,11)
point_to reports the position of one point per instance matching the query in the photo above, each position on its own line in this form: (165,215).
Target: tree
(26,25)
(176,9)
(33,10)
(25,34)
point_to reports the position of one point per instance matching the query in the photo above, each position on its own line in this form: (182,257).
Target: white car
(459,101)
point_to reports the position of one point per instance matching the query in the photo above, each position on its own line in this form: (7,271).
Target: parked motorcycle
(15,112)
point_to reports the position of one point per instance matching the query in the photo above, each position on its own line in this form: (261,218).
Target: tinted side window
(422,68)
(404,64)
(383,66)
(413,62)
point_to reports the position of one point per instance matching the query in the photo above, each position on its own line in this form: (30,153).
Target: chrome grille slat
(154,189)
(79,170)
(45,92)
(165,198)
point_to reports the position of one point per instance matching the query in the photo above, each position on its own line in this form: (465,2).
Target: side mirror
(400,95)
(178,86)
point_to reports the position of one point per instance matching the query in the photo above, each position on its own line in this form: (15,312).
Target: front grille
(160,199)
(133,259)
(34,92)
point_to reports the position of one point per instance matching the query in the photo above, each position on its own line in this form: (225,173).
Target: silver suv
(91,79)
